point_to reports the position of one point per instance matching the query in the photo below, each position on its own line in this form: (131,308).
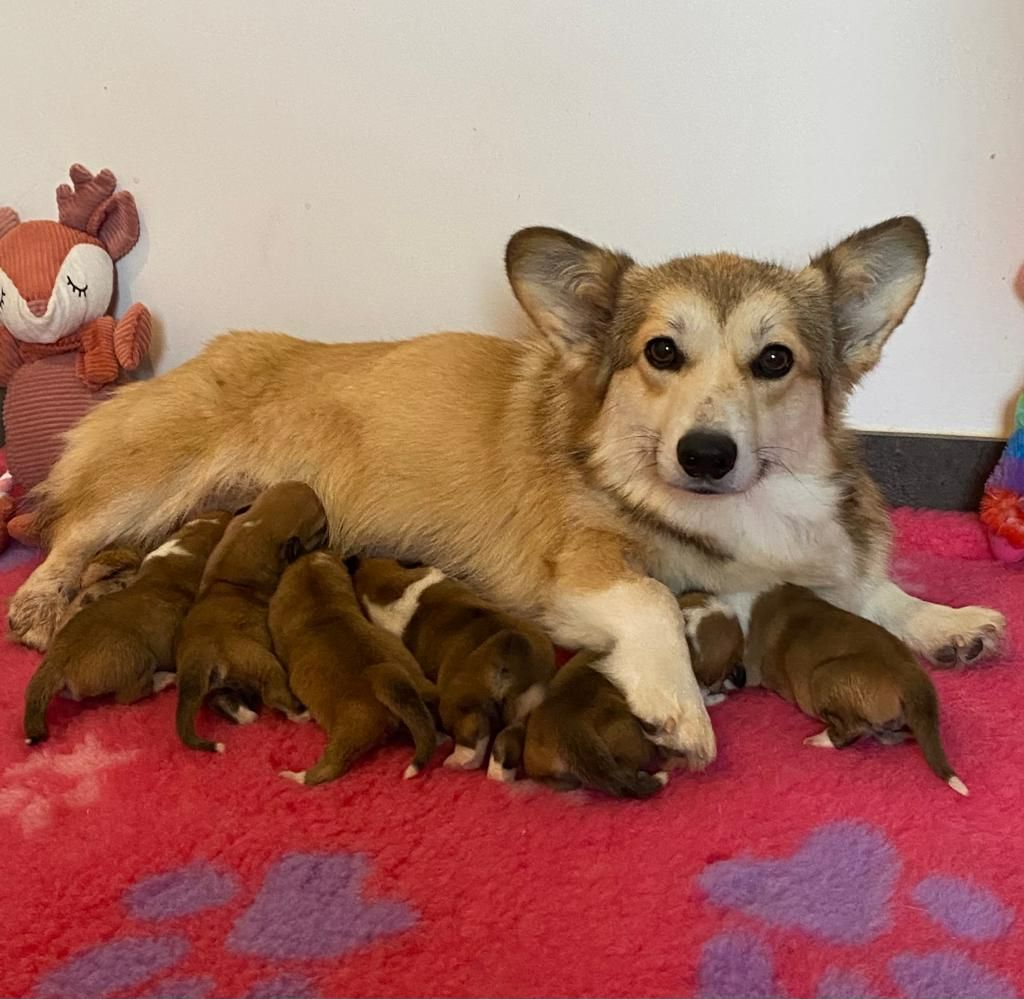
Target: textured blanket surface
(133,867)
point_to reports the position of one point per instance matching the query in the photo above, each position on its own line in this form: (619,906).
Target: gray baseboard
(944,473)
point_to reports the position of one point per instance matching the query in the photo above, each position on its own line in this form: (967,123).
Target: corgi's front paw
(675,717)
(957,636)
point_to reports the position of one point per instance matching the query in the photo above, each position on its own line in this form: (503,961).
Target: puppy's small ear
(567,286)
(874,277)
(292,549)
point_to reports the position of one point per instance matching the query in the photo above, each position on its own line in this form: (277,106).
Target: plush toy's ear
(8,220)
(91,206)
(116,224)
(874,277)
(292,549)
(567,286)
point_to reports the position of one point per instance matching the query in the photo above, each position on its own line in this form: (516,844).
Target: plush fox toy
(60,353)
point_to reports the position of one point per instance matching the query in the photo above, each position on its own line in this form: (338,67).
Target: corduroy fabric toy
(60,352)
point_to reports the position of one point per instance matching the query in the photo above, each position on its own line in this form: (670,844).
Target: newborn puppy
(715,640)
(225,640)
(108,571)
(581,735)
(846,671)
(490,668)
(358,681)
(124,643)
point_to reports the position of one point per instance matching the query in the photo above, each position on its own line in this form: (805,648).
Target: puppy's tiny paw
(301,716)
(410,771)
(495,771)
(820,740)
(218,747)
(298,776)
(162,680)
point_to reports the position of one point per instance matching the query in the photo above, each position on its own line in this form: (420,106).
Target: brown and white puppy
(582,734)
(359,682)
(124,644)
(566,473)
(847,672)
(490,668)
(715,640)
(225,640)
(110,570)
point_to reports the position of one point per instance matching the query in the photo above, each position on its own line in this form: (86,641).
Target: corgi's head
(710,373)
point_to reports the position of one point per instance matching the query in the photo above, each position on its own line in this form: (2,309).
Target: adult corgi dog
(663,428)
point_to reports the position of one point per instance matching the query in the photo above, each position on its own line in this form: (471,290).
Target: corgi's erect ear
(567,286)
(292,549)
(874,277)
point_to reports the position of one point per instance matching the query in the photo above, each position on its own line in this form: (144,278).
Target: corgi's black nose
(706,454)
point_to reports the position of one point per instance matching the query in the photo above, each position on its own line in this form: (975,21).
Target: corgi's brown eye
(662,352)
(773,362)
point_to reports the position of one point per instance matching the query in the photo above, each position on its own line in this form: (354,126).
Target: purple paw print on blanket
(838,887)
(309,906)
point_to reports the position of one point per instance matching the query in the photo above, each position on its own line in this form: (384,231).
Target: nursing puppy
(124,643)
(662,428)
(358,681)
(490,668)
(851,674)
(582,734)
(110,570)
(715,640)
(568,738)
(225,640)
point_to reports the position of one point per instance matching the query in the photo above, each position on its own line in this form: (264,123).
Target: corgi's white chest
(787,531)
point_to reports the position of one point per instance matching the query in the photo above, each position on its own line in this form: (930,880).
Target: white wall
(352,170)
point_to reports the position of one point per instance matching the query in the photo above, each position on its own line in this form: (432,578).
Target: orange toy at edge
(61,353)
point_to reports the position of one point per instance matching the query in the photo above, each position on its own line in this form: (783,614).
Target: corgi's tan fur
(544,469)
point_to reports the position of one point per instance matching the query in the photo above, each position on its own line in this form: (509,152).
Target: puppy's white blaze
(958,785)
(529,700)
(299,776)
(696,616)
(411,771)
(172,547)
(820,741)
(162,680)
(495,771)
(219,747)
(467,757)
(395,617)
